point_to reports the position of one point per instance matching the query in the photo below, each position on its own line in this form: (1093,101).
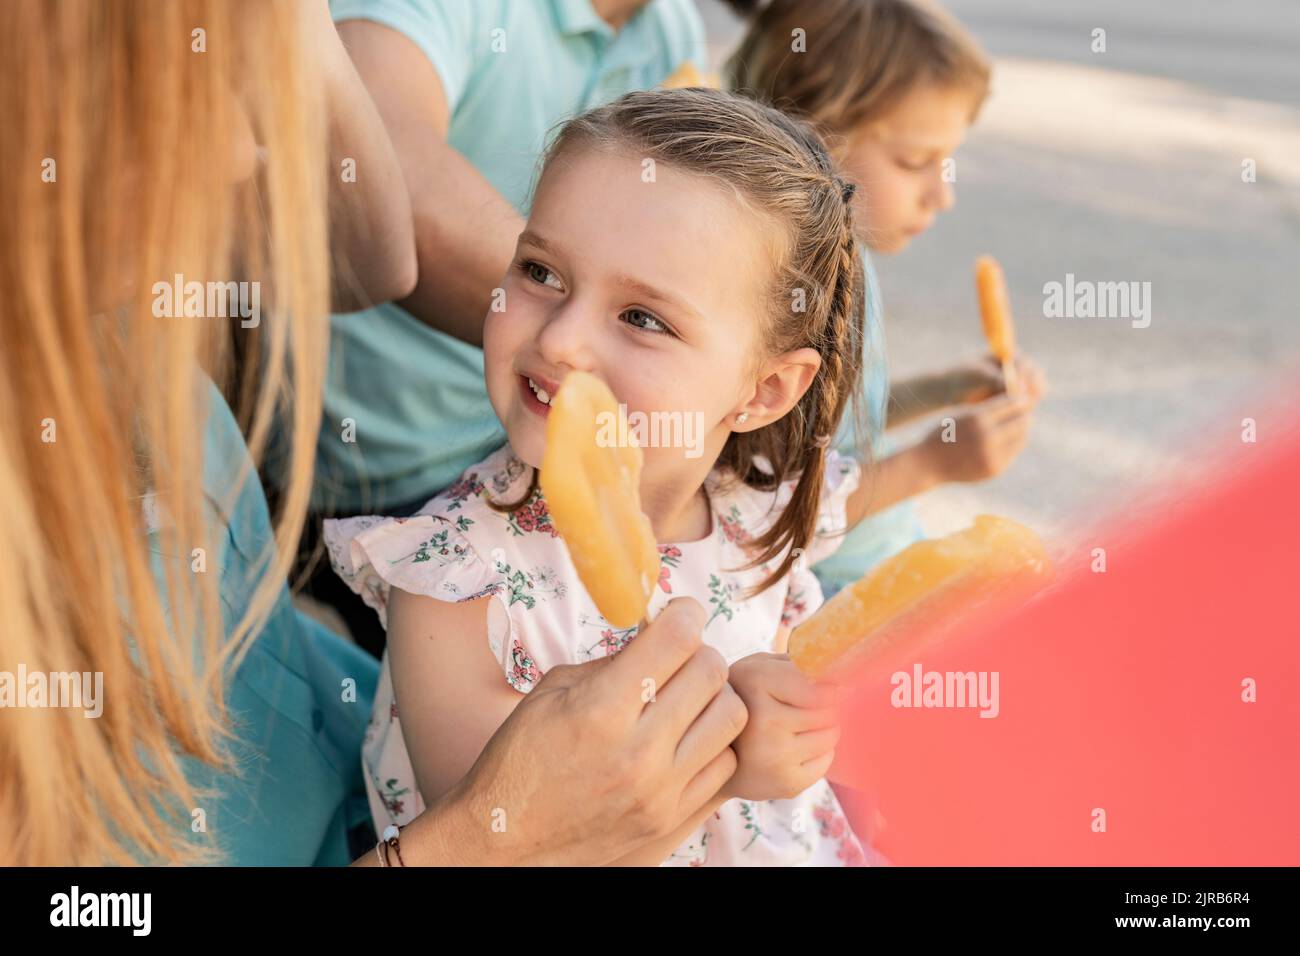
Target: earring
(742,418)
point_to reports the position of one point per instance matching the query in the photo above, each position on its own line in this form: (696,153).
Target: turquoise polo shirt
(297,722)
(512,71)
(888,532)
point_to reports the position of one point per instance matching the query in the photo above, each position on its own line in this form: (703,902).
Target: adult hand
(599,759)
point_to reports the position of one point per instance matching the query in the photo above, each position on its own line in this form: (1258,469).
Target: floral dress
(458,548)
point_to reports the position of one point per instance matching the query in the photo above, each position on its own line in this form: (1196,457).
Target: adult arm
(372,239)
(465,230)
(586,769)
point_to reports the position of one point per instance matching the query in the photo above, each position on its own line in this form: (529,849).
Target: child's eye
(914,167)
(641,319)
(541,275)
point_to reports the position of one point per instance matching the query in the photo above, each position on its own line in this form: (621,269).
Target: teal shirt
(299,788)
(884,534)
(512,71)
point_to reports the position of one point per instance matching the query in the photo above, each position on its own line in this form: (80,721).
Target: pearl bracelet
(390,840)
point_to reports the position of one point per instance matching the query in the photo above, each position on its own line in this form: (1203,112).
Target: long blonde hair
(119,172)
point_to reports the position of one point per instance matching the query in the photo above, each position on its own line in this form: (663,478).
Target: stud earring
(742,418)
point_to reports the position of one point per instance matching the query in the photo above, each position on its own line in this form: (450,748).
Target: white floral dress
(457,548)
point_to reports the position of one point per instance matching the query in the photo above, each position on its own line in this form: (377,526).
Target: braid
(834,391)
(847,324)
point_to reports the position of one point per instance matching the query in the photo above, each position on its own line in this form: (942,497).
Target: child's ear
(782,382)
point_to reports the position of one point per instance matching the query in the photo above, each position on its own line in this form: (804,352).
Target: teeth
(542,394)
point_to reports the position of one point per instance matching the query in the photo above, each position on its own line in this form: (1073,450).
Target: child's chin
(896,244)
(527,442)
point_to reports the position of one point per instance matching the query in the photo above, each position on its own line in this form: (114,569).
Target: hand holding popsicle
(922,584)
(593,495)
(980,441)
(982,377)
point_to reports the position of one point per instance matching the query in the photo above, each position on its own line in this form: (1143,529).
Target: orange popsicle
(905,596)
(592,491)
(995,313)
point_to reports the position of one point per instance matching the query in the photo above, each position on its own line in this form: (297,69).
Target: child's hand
(974,380)
(982,377)
(982,441)
(789,742)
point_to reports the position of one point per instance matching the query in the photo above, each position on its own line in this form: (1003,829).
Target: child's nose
(567,338)
(941,195)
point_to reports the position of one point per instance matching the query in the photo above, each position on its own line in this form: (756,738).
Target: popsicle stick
(1009,378)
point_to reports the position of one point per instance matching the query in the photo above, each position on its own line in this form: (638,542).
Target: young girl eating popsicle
(695,251)
(893,85)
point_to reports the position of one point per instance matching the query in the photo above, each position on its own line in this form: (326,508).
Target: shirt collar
(578,16)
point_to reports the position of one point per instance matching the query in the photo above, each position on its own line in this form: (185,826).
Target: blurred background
(1117,166)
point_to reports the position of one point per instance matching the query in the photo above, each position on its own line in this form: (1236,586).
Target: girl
(695,250)
(893,84)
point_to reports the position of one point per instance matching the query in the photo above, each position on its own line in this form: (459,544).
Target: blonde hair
(119,173)
(860,57)
(779,167)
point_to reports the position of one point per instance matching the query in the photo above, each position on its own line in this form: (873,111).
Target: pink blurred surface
(1119,691)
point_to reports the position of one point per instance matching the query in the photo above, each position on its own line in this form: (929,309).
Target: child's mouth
(538,394)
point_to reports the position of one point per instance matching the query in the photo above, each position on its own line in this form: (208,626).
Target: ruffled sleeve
(425,554)
(460,547)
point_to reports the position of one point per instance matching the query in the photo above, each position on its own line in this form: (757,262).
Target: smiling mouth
(537,394)
(542,394)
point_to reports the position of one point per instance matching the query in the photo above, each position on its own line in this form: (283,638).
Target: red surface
(1121,691)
